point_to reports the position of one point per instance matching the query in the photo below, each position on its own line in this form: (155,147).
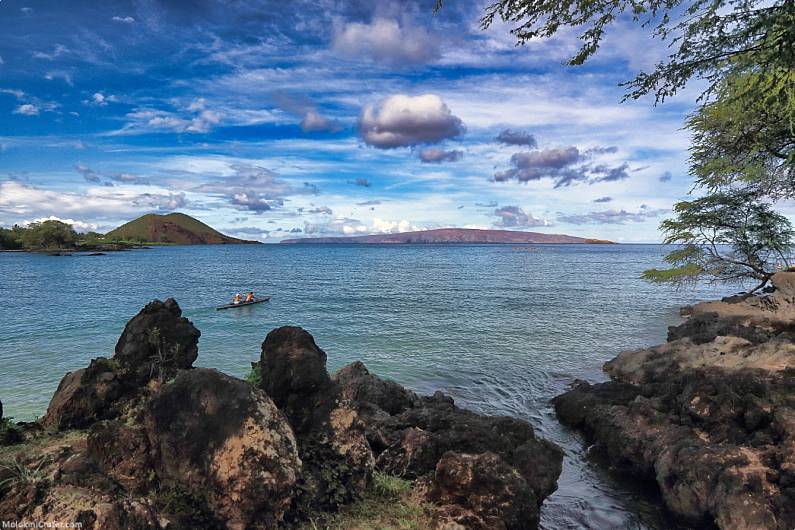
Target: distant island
(172,229)
(57,237)
(453,235)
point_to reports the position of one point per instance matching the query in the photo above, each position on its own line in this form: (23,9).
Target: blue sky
(281,119)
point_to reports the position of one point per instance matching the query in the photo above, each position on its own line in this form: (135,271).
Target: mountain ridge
(452,236)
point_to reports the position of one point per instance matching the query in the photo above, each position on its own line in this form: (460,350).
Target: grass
(387,505)
(18,473)
(255,375)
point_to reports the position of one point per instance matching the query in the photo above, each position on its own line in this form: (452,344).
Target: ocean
(501,328)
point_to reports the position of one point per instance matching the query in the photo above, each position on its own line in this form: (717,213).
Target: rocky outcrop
(155,343)
(338,462)
(413,436)
(481,492)
(359,421)
(710,415)
(143,440)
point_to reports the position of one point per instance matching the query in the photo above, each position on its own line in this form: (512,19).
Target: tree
(9,240)
(710,39)
(745,137)
(48,234)
(728,236)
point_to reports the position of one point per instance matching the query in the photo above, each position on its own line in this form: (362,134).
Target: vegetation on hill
(38,236)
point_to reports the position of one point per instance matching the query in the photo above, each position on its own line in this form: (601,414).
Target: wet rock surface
(710,415)
(144,440)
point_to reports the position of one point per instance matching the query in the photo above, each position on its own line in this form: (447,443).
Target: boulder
(337,459)
(156,343)
(481,492)
(85,396)
(221,440)
(357,384)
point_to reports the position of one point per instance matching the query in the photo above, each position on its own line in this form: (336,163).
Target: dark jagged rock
(481,492)
(337,460)
(710,415)
(85,396)
(412,442)
(155,343)
(409,435)
(357,384)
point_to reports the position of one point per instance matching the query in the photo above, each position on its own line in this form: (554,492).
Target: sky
(270,120)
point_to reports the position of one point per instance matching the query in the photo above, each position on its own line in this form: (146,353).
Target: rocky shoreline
(145,440)
(709,416)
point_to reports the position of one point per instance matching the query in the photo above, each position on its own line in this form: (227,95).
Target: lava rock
(481,492)
(224,440)
(156,343)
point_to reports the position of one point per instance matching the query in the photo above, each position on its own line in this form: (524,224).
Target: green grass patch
(255,375)
(387,505)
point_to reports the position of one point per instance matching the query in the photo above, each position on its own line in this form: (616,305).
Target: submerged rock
(710,416)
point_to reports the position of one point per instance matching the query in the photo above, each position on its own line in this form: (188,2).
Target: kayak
(242,304)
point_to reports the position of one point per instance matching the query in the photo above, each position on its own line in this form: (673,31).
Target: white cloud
(79,226)
(27,109)
(313,121)
(125,20)
(100,100)
(400,121)
(66,77)
(386,41)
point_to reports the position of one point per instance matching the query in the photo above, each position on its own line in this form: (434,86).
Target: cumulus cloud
(313,121)
(403,121)
(78,226)
(434,155)
(386,41)
(603,199)
(100,100)
(252,201)
(512,137)
(615,217)
(564,165)
(125,20)
(516,217)
(351,227)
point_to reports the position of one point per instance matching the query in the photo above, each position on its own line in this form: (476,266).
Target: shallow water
(502,329)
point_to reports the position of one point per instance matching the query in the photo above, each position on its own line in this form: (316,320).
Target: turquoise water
(502,329)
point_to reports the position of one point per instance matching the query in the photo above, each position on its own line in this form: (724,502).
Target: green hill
(173,228)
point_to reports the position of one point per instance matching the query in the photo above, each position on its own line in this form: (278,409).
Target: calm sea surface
(502,329)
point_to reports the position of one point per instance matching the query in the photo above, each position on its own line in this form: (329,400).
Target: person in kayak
(250,297)
(236,299)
